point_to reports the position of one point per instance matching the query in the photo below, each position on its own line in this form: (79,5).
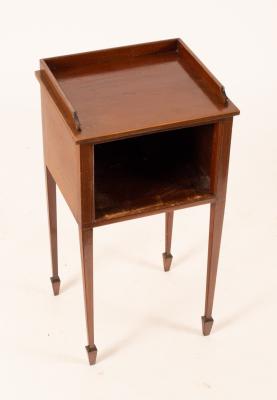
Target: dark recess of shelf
(139,175)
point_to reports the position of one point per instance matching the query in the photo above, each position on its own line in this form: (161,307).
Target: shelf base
(56,283)
(92,354)
(167,259)
(207,324)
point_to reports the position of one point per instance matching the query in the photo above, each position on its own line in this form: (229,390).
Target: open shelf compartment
(152,173)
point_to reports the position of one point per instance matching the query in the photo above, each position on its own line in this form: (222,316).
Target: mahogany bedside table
(129,132)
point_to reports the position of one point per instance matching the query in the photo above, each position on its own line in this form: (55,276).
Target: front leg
(216,223)
(86,245)
(52,218)
(220,163)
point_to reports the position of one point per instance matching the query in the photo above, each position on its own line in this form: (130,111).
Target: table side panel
(220,157)
(61,153)
(86,168)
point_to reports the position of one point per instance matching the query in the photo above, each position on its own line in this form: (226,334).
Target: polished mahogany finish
(130,132)
(110,94)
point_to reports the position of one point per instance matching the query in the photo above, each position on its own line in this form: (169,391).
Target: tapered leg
(52,216)
(219,174)
(86,236)
(216,223)
(167,256)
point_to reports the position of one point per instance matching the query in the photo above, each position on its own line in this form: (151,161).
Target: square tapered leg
(167,256)
(52,218)
(86,236)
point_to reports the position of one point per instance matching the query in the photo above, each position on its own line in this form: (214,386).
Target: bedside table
(130,132)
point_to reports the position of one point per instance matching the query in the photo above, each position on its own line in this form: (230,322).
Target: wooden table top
(137,89)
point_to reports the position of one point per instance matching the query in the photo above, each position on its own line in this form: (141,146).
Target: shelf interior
(152,172)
